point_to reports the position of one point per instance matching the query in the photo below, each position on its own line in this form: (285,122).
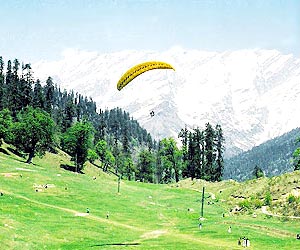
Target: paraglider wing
(140,69)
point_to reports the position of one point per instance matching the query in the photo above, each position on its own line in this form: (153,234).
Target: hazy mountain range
(253,94)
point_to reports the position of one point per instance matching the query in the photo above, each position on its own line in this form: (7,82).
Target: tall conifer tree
(209,134)
(49,95)
(220,149)
(2,84)
(38,99)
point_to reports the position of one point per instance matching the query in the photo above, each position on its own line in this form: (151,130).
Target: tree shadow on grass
(2,150)
(117,244)
(16,152)
(70,168)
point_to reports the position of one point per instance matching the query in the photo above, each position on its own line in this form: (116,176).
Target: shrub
(245,204)
(291,198)
(268,199)
(257,203)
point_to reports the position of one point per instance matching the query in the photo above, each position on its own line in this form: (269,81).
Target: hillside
(43,206)
(252,94)
(274,157)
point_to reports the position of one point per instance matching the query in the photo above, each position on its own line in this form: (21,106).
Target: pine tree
(2,84)
(198,157)
(126,140)
(49,95)
(257,172)
(191,168)
(101,126)
(38,99)
(219,141)
(183,135)
(69,112)
(209,135)
(11,81)
(25,86)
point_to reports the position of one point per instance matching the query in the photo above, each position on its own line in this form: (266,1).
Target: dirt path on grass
(266,230)
(266,212)
(76,213)
(146,234)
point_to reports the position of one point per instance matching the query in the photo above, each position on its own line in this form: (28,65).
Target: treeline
(203,152)
(23,100)
(36,119)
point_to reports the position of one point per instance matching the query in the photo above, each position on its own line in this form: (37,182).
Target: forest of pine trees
(36,119)
(203,153)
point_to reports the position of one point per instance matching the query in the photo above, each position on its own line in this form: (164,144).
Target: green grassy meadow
(141,216)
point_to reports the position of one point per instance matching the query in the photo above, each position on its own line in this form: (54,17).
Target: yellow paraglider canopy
(140,69)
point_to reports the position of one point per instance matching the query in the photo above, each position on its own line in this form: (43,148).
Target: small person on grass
(107,215)
(88,210)
(239,241)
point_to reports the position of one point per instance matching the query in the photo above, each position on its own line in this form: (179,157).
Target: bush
(245,204)
(291,198)
(268,199)
(257,203)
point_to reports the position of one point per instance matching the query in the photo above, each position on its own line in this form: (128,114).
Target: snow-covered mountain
(253,94)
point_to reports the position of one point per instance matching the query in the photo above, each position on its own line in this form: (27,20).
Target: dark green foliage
(33,132)
(268,199)
(38,99)
(92,155)
(145,166)
(105,155)
(257,172)
(274,157)
(159,169)
(6,124)
(209,152)
(76,141)
(49,95)
(296,157)
(170,158)
(128,168)
(291,198)
(219,143)
(2,84)
(202,153)
(124,136)
(11,97)
(25,86)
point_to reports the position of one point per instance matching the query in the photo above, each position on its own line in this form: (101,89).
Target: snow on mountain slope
(253,94)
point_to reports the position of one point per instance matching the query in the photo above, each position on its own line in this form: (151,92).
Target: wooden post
(119,180)
(202,203)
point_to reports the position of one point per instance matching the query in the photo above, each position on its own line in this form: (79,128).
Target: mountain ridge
(251,93)
(274,157)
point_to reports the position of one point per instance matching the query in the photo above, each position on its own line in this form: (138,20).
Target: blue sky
(33,30)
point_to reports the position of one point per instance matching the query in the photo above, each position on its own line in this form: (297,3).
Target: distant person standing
(244,244)
(200,225)
(229,229)
(239,241)
(247,242)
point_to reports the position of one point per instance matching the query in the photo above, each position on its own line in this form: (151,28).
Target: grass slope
(141,216)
